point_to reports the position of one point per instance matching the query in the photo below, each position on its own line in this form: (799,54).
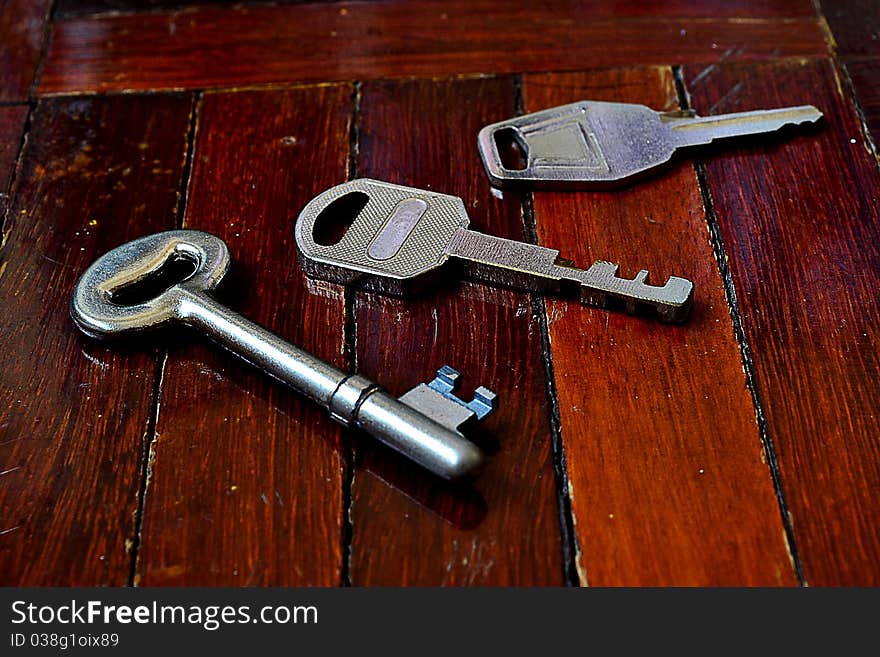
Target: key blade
(699,130)
(532,267)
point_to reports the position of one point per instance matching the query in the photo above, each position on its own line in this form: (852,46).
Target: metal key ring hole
(138,286)
(512,150)
(333,222)
(178,267)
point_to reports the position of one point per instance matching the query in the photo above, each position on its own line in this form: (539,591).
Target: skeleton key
(423,425)
(398,233)
(595,144)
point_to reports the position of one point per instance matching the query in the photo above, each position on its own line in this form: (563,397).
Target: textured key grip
(585,142)
(399,232)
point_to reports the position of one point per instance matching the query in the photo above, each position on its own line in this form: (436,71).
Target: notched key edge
(531,267)
(437,400)
(671,302)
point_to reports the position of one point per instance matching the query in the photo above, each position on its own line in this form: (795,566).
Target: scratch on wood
(734,91)
(706,72)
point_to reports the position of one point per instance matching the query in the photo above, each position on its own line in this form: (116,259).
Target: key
(593,144)
(396,233)
(424,425)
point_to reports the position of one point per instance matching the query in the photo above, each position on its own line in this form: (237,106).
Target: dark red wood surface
(11,127)
(865,76)
(95,173)
(855,25)
(245,484)
(800,220)
(68,8)
(581,8)
(213,47)
(23,29)
(656,419)
(505,529)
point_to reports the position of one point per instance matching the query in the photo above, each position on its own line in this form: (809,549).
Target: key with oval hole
(595,144)
(424,425)
(394,234)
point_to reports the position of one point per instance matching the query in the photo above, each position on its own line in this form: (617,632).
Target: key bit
(594,144)
(437,400)
(397,234)
(423,425)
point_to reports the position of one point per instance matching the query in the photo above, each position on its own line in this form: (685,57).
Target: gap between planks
(151,439)
(570,547)
(720,253)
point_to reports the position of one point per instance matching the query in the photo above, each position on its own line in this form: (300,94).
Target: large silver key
(595,144)
(423,425)
(398,233)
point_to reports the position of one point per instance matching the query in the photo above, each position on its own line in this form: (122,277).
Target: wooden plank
(663,453)
(11,125)
(800,219)
(22,30)
(865,76)
(95,173)
(246,486)
(68,8)
(855,25)
(408,529)
(673,8)
(213,47)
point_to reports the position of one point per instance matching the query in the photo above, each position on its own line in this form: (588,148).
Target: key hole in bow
(514,154)
(177,268)
(333,222)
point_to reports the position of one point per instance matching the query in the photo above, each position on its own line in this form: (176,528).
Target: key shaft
(533,267)
(700,130)
(352,400)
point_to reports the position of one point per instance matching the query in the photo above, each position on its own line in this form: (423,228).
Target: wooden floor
(741,448)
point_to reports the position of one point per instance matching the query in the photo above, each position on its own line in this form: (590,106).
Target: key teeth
(483,403)
(436,400)
(672,301)
(447,380)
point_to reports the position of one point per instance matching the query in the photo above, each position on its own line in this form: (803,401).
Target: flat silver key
(594,144)
(424,424)
(396,234)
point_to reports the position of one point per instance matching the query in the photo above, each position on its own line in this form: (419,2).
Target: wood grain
(865,76)
(22,30)
(855,25)
(633,8)
(407,528)
(246,483)
(663,453)
(95,173)
(212,47)
(11,125)
(800,220)
(68,8)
